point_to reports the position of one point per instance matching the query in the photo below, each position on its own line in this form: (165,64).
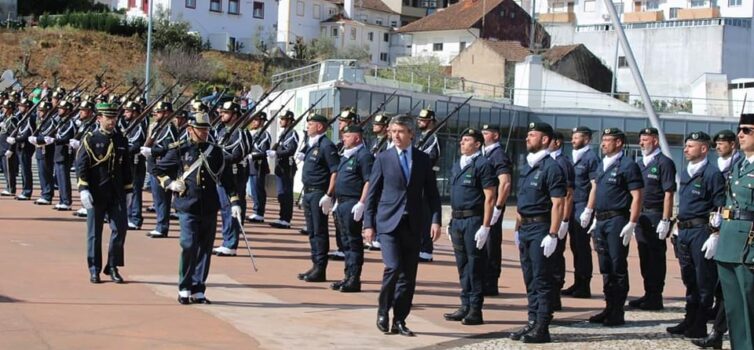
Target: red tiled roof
(511,50)
(461,15)
(556,53)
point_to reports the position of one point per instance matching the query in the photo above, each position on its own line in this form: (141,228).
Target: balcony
(699,13)
(643,16)
(557,17)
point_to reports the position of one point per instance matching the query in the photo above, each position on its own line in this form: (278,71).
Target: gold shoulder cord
(104,158)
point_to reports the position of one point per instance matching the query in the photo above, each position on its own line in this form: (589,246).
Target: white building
(228,25)
(8,9)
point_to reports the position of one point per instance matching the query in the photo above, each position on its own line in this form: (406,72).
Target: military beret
(288,115)
(131,106)
(44,106)
(107,109)
(649,131)
(746,118)
(199,120)
(557,135)
(162,106)
(353,128)
(541,127)
(314,117)
(614,132)
(700,136)
(230,106)
(382,119)
(347,115)
(427,113)
(260,115)
(86,105)
(476,134)
(583,130)
(489,127)
(9,104)
(725,135)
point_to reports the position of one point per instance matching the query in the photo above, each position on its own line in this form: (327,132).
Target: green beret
(314,117)
(725,135)
(353,129)
(700,136)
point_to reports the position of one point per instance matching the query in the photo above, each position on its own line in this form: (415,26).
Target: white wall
(301,18)
(423,43)
(356,34)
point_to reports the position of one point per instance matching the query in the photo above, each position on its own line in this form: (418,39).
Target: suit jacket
(390,196)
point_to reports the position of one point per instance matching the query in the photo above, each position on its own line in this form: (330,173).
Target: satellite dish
(256,92)
(7,80)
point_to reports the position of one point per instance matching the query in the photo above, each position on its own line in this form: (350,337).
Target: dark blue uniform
(432,149)
(585,170)
(320,162)
(258,171)
(612,208)
(197,206)
(236,150)
(63,159)
(558,258)
(10,162)
(501,164)
(160,196)
(467,202)
(659,177)
(103,169)
(536,186)
(353,173)
(700,195)
(45,156)
(136,139)
(285,171)
(24,152)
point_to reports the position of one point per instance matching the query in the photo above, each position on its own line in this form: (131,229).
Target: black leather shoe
(318,274)
(582,293)
(200,301)
(382,322)
(352,285)
(303,232)
(569,291)
(303,274)
(652,305)
(399,327)
(615,318)
(94,278)
(538,335)
(600,317)
(557,305)
(637,302)
(678,329)
(338,284)
(115,276)
(714,340)
(456,315)
(184,300)
(473,318)
(517,335)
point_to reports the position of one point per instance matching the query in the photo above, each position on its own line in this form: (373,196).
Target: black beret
(700,136)
(476,134)
(557,135)
(353,128)
(725,135)
(649,131)
(488,127)
(583,130)
(542,127)
(614,132)
(314,117)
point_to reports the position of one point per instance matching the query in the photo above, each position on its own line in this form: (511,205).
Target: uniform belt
(462,214)
(684,224)
(314,189)
(535,219)
(347,198)
(738,214)
(604,215)
(652,210)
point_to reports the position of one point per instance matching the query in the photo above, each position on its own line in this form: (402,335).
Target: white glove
(129,197)
(710,246)
(663,228)
(10,140)
(585,216)
(235,211)
(495,215)
(562,230)
(515,239)
(8,153)
(146,151)
(591,228)
(358,211)
(74,143)
(325,203)
(481,236)
(716,220)
(271,154)
(86,199)
(549,244)
(49,140)
(299,157)
(177,186)
(334,207)
(627,233)
(32,140)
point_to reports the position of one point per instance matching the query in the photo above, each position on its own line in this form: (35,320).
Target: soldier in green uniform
(735,250)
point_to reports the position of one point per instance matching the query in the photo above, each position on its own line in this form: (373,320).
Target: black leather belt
(652,210)
(314,189)
(344,199)
(462,214)
(535,219)
(604,215)
(738,214)
(684,224)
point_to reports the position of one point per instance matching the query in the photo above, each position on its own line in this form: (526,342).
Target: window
(462,46)
(437,47)
(215,6)
(353,33)
(383,56)
(385,37)
(331,11)
(317,11)
(698,3)
(364,18)
(258,10)
(653,5)
(378,20)
(622,63)
(734,3)
(300,9)
(674,12)
(189,4)
(589,5)
(335,32)
(132,3)
(394,24)
(234,7)
(370,36)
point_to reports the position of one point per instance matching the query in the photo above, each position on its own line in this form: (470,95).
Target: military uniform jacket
(25,130)
(320,161)
(467,185)
(585,170)
(499,160)
(734,245)
(259,147)
(161,144)
(381,143)
(201,195)
(659,177)
(537,185)
(568,170)
(7,125)
(136,139)
(85,126)
(66,131)
(353,173)
(701,194)
(237,147)
(102,166)
(285,151)
(614,185)
(45,128)
(432,149)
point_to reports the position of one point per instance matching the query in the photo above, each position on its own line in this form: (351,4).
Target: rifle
(246,122)
(178,96)
(98,77)
(379,108)
(24,118)
(214,118)
(301,117)
(162,124)
(269,121)
(78,85)
(410,112)
(245,119)
(136,121)
(743,106)
(439,125)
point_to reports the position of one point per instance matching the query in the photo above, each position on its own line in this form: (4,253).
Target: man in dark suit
(389,205)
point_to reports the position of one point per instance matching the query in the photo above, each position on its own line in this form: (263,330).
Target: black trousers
(316,225)
(652,253)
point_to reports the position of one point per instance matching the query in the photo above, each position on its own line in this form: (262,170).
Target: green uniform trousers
(737,282)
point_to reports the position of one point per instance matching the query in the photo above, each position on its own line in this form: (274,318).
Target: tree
(52,65)
(184,65)
(27,46)
(265,47)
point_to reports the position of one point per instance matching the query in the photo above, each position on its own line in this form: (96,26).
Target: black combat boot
(457,315)
(517,335)
(473,318)
(539,334)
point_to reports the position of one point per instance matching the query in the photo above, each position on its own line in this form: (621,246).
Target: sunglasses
(745,130)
